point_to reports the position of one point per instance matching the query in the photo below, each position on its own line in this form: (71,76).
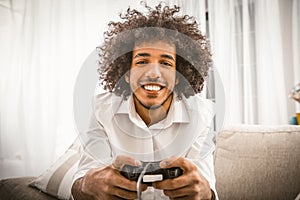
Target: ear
(127,77)
(176,81)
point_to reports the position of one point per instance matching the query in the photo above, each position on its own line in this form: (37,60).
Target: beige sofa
(258,162)
(251,162)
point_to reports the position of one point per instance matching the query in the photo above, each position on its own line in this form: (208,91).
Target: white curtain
(296,44)
(249,53)
(43,46)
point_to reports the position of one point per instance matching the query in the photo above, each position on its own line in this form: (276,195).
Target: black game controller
(153,172)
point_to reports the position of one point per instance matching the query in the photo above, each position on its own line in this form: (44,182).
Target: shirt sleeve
(96,149)
(201,154)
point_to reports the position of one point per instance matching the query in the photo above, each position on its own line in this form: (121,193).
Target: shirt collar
(177,113)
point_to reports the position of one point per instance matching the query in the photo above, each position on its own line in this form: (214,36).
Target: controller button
(152,178)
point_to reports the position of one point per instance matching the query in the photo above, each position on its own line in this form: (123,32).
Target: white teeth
(152,87)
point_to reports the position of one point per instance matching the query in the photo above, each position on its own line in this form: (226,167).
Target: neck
(152,115)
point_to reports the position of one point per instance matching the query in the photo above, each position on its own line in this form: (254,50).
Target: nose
(153,71)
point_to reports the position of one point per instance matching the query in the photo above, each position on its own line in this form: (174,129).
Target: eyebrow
(148,55)
(142,55)
(167,56)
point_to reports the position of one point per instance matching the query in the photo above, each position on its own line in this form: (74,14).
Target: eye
(165,63)
(141,62)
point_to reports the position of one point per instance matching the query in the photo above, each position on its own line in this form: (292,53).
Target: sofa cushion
(19,189)
(57,179)
(258,162)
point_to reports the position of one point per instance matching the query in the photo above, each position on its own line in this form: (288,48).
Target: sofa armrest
(258,162)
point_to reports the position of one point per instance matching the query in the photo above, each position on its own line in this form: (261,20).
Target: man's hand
(107,183)
(190,185)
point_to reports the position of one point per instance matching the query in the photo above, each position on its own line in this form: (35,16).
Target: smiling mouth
(152,87)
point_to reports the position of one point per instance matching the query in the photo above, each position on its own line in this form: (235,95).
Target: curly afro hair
(193,57)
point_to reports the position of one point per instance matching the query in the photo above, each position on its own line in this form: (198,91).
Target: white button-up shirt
(117,129)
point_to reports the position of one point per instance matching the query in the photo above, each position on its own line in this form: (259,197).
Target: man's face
(153,73)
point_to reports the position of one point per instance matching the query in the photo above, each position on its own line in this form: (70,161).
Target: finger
(182,198)
(123,193)
(121,160)
(112,178)
(181,162)
(168,161)
(171,184)
(179,193)
(122,182)
(110,197)
(119,187)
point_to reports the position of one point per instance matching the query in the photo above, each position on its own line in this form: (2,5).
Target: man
(152,67)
